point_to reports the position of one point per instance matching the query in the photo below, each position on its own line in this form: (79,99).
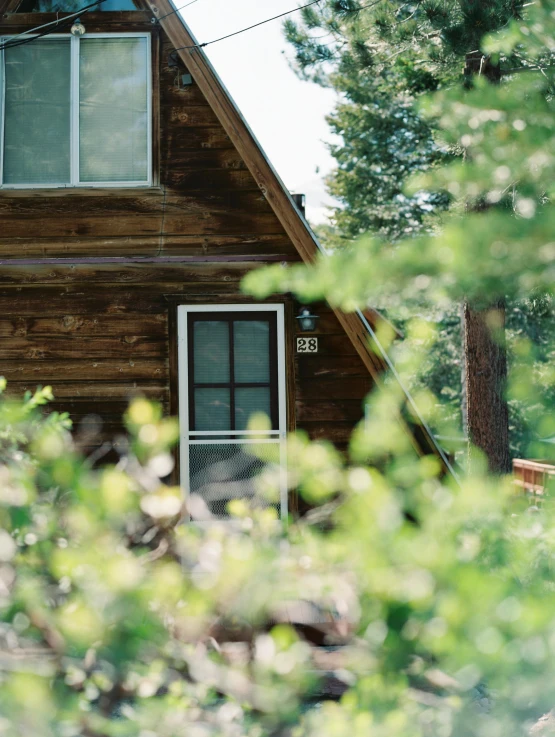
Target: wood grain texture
(352,387)
(68,346)
(197,63)
(76,300)
(344,410)
(9,6)
(279,246)
(150,274)
(83,325)
(179,223)
(75,391)
(311,367)
(103,332)
(83,370)
(122,21)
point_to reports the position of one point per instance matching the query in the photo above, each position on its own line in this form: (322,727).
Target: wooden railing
(534,477)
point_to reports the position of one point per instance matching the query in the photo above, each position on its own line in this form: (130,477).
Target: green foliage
(382,138)
(118,619)
(108,609)
(496,240)
(382,58)
(434,364)
(504,248)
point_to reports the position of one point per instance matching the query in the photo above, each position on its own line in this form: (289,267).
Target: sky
(286,114)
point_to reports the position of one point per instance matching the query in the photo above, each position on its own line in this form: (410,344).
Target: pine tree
(381,57)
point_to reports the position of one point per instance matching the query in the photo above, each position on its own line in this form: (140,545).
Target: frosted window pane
(248,402)
(252,351)
(37,113)
(211,352)
(212,409)
(113,110)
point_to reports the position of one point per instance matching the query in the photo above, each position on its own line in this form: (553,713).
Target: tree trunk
(486,376)
(485,355)
(464,407)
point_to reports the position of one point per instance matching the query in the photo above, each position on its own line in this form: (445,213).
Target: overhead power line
(177,10)
(256,25)
(60,25)
(84,9)
(23,38)
(242,30)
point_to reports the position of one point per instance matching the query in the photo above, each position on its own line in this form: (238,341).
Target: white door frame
(186,437)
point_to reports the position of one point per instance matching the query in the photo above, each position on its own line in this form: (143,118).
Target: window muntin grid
(232,369)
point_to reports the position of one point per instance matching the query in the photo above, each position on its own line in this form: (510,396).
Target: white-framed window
(231,366)
(76,111)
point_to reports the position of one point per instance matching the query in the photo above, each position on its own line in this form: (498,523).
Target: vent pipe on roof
(300,202)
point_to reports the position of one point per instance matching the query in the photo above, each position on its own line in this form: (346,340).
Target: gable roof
(359,326)
(254,157)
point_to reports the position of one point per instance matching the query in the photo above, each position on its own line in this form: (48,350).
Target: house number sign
(307,345)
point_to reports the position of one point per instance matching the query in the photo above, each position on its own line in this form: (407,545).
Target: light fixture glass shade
(307,321)
(77,29)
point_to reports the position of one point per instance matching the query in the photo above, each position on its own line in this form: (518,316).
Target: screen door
(231,368)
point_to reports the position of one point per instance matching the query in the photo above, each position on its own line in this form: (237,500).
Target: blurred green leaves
(504,246)
(400,604)
(434,603)
(495,241)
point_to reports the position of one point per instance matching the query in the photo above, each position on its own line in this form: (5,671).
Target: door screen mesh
(220,472)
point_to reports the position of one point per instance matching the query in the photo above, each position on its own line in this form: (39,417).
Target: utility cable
(412,403)
(85,9)
(236,33)
(256,25)
(62,24)
(182,7)
(13,41)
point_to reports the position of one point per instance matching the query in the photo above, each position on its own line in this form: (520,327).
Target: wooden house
(133,199)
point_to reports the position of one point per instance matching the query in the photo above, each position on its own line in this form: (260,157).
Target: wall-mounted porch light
(307,321)
(77,29)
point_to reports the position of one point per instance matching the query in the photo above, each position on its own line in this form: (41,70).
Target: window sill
(38,191)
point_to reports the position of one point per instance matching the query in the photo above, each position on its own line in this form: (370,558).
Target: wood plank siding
(207,203)
(90,278)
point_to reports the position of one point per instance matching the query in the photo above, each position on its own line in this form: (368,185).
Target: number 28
(307,345)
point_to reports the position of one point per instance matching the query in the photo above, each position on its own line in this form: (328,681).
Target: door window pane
(211,352)
(212,409)
(252,351)
(248,402)
(113,110)
(37,113)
